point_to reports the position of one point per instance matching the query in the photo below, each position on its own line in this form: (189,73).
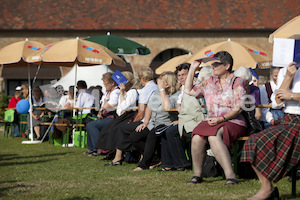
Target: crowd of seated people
(139,117)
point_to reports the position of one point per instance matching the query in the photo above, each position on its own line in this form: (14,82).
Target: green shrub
(3,104)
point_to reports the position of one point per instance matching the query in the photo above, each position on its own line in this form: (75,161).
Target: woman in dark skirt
(275,151)
(224,123)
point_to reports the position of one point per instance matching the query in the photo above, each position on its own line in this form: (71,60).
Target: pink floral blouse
(220,101)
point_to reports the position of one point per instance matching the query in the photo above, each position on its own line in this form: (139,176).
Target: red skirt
(231,131)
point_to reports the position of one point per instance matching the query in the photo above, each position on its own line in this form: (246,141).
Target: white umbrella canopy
(92,75)
(291,29)
(243,54)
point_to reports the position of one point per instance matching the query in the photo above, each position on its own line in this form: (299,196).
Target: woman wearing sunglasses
(223,95)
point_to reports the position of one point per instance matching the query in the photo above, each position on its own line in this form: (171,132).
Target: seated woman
(270,116)
(25,91)
(145,76)
(245,74)
(109,100)
(224,123)
(37,101)
(144,138)
(127,99)
(275,151)
(191,113)
(173,156)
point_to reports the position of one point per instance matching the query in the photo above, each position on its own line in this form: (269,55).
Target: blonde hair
(23,86)
(171,79)
(107,77)
(129,76)
(146,73)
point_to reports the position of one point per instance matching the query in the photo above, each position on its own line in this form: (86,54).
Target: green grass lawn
(44,171)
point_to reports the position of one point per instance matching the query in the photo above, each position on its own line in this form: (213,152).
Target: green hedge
(3,104)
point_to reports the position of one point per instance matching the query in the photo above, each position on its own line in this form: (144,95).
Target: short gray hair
(244,73)
(205,72)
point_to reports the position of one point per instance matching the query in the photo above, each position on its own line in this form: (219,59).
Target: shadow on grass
(25,163)
(14,156)
(78,198)
(3,189)
(289,196)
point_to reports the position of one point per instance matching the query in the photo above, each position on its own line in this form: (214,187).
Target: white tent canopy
(92,75)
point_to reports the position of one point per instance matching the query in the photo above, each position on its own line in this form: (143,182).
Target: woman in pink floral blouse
(223,94)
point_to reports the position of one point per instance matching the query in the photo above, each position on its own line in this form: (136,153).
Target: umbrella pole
(74,111)
(30,134)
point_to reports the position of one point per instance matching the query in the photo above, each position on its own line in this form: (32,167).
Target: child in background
(14,100)
(13,104)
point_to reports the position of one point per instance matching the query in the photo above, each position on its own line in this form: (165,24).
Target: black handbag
(253,125)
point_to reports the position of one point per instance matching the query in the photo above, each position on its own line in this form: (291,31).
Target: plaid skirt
(276,150)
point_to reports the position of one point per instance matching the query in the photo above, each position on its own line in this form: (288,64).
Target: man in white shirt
(85,98)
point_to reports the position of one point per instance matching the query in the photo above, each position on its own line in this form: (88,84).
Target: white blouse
(291,106)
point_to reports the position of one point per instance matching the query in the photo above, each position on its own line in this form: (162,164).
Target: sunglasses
(216,64)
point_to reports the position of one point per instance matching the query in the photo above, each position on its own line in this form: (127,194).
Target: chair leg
(294,178)
(235,156)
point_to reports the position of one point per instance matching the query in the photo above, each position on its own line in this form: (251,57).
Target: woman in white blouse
(127,99)
(275,151)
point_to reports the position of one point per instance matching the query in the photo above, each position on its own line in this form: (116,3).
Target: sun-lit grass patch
(44,171)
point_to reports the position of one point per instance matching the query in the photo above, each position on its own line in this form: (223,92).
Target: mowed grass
(44,171)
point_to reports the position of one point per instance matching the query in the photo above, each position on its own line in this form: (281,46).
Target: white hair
(205,72)
(244,73)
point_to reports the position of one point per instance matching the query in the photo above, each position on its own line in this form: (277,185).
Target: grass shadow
(25,163)
(3,189)
(78,198)
(34,156)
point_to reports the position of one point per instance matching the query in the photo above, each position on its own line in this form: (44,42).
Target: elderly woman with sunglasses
(223,94)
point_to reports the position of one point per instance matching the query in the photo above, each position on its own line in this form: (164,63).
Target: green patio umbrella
(120,45)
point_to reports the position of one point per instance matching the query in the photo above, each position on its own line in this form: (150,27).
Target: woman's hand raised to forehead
(196,64)
(122,87)
(161,83)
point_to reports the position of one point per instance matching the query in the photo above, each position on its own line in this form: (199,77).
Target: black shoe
(274,195)
(94,154)
(88,152)
(197,180)
(231,181)
(114,163)
(165,169)
(106,158)
(180,169)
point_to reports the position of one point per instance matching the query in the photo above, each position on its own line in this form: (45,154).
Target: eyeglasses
(216,64)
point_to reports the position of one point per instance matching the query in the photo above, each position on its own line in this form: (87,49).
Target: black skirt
(108,137)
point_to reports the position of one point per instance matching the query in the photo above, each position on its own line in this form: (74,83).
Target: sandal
(164,169)
(231,181)
(197,180)
(88,152)
(94,154)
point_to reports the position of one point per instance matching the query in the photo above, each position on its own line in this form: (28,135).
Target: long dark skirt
(108,136)
(276,150)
